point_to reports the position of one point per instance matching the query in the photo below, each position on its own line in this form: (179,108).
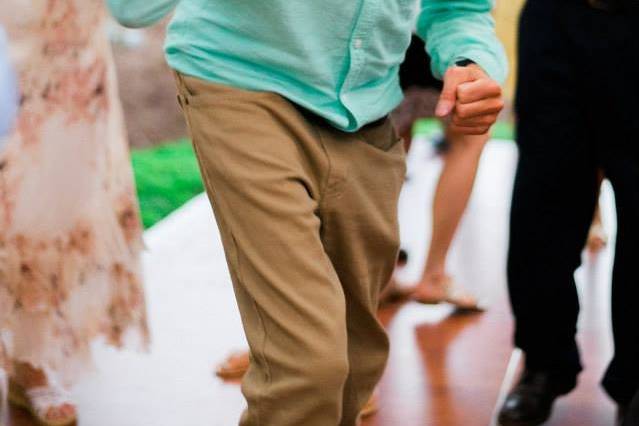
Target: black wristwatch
(464,62)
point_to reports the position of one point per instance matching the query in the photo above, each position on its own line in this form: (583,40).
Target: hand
(471,98)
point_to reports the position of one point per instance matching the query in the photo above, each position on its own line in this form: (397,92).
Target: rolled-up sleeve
(140,13)
(461,29)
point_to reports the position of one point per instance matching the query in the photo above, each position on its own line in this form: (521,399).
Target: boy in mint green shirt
(287,103)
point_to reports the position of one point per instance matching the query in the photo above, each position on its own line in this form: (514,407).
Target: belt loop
(181,89)
(182,100)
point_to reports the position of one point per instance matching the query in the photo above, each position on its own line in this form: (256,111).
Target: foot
(437,289)
(393,293)
(46,400)
(530,402)
(233,367)
(371,408)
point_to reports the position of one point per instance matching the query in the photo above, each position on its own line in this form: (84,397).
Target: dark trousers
(632,414)
(578,112)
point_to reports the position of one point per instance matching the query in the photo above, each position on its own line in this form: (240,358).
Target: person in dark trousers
(577,113)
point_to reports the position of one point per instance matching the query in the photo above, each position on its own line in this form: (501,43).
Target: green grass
(167,176)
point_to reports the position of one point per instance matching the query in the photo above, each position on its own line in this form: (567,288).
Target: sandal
(41,400)
(449,292)
(233,367)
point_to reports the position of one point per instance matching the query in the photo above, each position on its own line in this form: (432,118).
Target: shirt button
(358,43)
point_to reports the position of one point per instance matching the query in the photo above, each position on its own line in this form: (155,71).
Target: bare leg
(451,197)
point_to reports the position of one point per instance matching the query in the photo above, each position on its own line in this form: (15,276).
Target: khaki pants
(308,217)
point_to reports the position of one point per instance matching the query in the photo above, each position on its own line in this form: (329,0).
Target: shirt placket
(357,51)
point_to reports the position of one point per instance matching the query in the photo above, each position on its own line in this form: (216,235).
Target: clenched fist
(471,99)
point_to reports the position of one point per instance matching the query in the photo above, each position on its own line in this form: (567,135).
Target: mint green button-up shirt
(336,58)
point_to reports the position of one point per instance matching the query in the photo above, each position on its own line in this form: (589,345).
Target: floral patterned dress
(70,234)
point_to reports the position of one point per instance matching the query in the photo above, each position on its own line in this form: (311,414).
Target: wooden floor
(444,369)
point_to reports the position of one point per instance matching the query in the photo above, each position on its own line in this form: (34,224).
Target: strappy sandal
(233,367)
(449,292)
(39,401)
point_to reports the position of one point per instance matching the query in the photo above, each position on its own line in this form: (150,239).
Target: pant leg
(554,194)
(632,416)
(622,377)
(614,109)
(264,171)
(361,237)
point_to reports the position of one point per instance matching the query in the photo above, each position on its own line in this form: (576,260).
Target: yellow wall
(507,19)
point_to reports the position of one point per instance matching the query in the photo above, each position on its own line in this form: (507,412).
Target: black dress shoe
(530,402)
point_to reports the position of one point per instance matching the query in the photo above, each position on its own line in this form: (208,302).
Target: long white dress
(70,234)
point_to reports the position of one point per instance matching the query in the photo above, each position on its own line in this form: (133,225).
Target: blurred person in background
(461,154)
(70,235)
(287,104)
(577,118)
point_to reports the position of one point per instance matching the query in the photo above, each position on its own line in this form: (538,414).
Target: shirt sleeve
(140,13)
(8,89)
(461,29)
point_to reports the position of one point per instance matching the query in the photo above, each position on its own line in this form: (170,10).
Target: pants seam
(236,255)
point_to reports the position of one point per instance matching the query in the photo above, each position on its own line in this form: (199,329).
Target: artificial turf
(166,176)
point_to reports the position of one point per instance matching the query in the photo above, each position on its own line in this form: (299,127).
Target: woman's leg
(451,197)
